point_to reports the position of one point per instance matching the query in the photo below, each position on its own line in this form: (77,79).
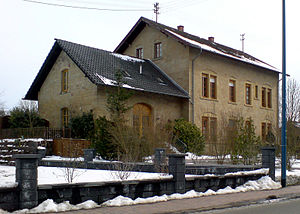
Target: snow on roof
(107,81)
(211,49)
(127,58)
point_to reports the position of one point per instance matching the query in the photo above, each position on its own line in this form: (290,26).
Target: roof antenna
(242,39)
(156,9)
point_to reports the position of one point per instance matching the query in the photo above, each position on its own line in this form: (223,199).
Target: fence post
(159,158)
(26,177)
(177,169)
(89,155)
(268,160)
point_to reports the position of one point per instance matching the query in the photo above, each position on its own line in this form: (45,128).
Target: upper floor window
(269,98)
(157,50)
(139,53)
(64,80)
(209,86)
(213,87)
(266,97)
(248,98)
(256,92)
(232,91)
(64,117)
(205,85)
(263,97)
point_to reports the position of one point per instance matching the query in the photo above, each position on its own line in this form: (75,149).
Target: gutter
(193,85)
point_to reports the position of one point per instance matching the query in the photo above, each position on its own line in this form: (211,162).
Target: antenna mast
(242,39)
(156,9)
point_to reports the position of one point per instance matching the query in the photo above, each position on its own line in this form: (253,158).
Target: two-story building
(222,82)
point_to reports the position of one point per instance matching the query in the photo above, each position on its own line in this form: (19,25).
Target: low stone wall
(9,198)
(101,192)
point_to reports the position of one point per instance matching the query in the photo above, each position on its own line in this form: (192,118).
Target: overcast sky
(28,30)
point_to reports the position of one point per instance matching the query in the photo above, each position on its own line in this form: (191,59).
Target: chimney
(211,38)
(180,28)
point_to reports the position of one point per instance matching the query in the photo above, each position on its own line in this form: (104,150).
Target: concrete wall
(84,96)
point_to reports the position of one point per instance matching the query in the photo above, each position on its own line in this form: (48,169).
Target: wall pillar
(26,176)
(177,169)
(268,160)
(159,159)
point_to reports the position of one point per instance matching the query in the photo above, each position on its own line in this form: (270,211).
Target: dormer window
(160,81)
(125,74)
(139,53)
(157,50)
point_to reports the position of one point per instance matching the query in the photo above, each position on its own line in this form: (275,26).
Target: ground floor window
(64,117)
(141,117)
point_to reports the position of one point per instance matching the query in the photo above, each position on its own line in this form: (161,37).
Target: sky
(28,30)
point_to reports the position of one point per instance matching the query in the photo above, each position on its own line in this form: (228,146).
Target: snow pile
(252,172)
(26,140)
(264,183)
(50,206)
(127,58)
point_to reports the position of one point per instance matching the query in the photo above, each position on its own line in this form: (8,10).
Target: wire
(87,8)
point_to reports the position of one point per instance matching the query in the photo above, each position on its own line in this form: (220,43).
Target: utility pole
(156,10)
(242,39)
(283,117)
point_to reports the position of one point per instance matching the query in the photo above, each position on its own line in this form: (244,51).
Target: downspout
(193,86)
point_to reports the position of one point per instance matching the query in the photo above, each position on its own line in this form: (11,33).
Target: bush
(189,134)
(102,139)
(25,116)
(81,126)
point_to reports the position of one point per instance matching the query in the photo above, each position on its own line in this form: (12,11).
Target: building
(76,78)
(222,82)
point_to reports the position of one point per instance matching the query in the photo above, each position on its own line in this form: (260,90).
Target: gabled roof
(100,67)
(192,41)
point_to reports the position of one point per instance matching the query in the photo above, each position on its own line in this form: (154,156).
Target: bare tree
(293,100)
(2,111)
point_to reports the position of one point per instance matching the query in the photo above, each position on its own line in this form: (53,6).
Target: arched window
(142,117)
(64,117)
(64,80)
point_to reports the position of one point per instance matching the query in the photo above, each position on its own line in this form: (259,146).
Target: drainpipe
(193,86)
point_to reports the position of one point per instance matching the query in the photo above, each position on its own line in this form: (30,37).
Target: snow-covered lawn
(56,175)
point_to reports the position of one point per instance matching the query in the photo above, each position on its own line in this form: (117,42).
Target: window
(139,53)
(269,98)
(263,131)
(213,87)
(209,86)
(205,85)
(64,80)
(141,117)
(248,94)
(263,97)
(157,50)
(248,124)
(205,126)
(232,92)
(209,127)
(256,92)
(266,97)
(64,117)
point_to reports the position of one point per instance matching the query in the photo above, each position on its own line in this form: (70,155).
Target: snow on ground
(57,175)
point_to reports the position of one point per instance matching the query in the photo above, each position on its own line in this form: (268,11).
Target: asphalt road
(269,207)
